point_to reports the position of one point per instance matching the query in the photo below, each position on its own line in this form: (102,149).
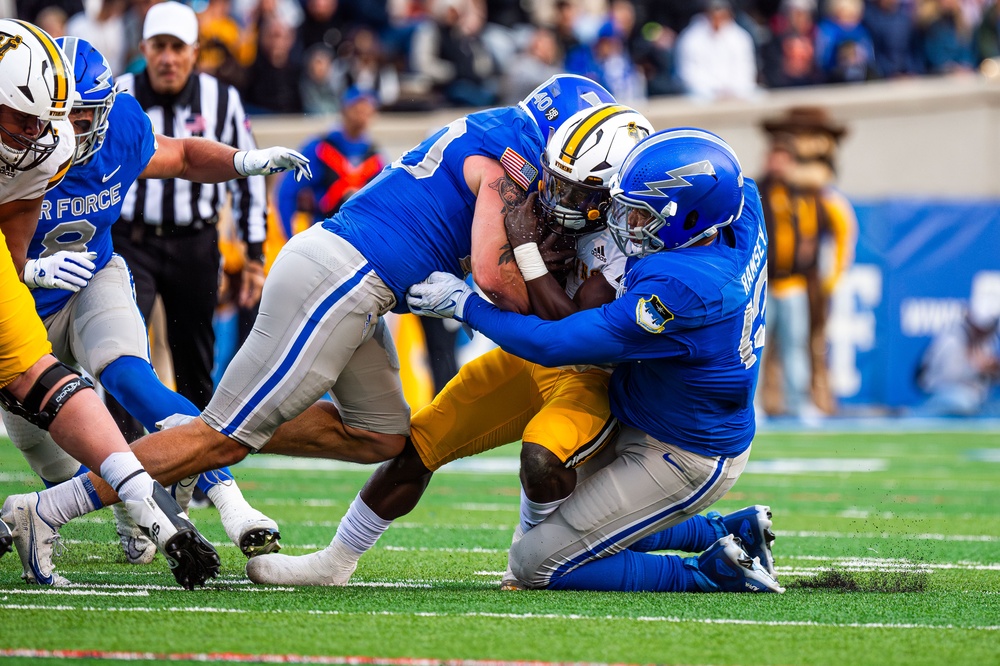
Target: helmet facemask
(572,208)
(635,225)
(33,150)
(90,141)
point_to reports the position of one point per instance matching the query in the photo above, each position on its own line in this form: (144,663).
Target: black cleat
(260,542)
(192,559)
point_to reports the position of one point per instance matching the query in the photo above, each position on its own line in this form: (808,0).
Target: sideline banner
(915,265)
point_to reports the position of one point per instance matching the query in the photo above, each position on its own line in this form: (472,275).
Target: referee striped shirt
(207,108)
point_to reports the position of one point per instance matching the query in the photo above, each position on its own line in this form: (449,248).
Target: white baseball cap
(171,18)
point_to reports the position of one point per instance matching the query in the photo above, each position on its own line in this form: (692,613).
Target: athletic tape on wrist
(529,261)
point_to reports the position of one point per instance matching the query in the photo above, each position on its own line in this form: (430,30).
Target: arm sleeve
(602,335)
(249,194)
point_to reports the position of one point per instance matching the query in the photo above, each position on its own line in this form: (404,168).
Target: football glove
(62,270)
(441,295)
(266,161)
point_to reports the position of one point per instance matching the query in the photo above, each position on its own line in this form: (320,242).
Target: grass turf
(892,556)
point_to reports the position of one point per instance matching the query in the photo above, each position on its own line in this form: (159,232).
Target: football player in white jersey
(36,147)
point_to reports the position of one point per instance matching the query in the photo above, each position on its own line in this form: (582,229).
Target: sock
(360,528)
(629,571)
(52,484)
(132,381)
(208,480)
(125,474)
(694,535)
(68,500)
(533,512)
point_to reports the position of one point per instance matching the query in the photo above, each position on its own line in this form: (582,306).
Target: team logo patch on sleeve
(652,314)
(518,168)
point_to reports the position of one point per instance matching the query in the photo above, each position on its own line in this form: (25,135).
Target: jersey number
(72,236)
(753,321)
(434,154)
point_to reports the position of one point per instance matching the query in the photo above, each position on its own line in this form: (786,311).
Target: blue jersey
(687,332)
(415,217)
(77,214)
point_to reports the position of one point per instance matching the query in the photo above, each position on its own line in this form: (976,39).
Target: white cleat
(139,548)
(6,539)
(320,568)
(248,528)
(35,539)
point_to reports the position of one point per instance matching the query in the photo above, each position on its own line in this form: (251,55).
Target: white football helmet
(579,161)
(35,79)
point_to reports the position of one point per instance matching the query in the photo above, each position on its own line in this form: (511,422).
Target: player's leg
(108,336)
(648,487)
(486,405)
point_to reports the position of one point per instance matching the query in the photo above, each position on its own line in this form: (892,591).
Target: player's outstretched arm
(206,161)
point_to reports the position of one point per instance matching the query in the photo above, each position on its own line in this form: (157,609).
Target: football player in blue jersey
(686,332)
(440,207)
(84,295)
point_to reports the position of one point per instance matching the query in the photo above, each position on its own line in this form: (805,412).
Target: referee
(167,231)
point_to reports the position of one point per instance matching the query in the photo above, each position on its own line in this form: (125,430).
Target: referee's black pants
(183,268)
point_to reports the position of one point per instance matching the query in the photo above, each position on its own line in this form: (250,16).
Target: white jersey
(17,185)
(596,253)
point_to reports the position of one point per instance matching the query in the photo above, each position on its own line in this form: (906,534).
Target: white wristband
(530,261)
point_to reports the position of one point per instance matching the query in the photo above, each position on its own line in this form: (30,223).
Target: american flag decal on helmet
(518,169)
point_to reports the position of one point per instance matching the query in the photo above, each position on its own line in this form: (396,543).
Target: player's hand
(251,284)
(558,252)
(522,222)
(266,161)
(441,295)
(62,270)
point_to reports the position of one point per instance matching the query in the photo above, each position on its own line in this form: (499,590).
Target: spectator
(608,63)
(273,81)
(893,38)
(790,56)
(844,50)
(318,87)
(105,29)
(359,63)
(225,49)
(320,25)
(715,57)
(986,38)
(962,363)
(566,27)
(53,21)
(342,162)
(531,67)
(945,37)
(449,54)
(806,219)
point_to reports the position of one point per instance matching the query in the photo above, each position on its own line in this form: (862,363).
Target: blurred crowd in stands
(299,56)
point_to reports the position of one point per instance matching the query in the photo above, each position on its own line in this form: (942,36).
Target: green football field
(888,543)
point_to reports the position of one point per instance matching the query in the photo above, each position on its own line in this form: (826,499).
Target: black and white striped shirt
(206,108)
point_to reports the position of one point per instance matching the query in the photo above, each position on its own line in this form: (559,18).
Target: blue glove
(441,295)
(63,270)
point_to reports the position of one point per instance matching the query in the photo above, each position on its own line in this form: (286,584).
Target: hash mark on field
(519,616)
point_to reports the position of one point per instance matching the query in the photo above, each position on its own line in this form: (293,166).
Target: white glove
(62,270)
(266,161)
(441,295)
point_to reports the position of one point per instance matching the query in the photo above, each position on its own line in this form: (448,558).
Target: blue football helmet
(95,89)
(675,188)
(551,103)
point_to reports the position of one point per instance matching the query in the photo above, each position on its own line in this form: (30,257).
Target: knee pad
(32,409)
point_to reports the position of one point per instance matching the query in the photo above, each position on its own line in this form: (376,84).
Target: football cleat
(726,567)
(331,566)
(753,527)
(6,539)
(192,559)
(138,547)
(260,541)
(35,539)
(248,528)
